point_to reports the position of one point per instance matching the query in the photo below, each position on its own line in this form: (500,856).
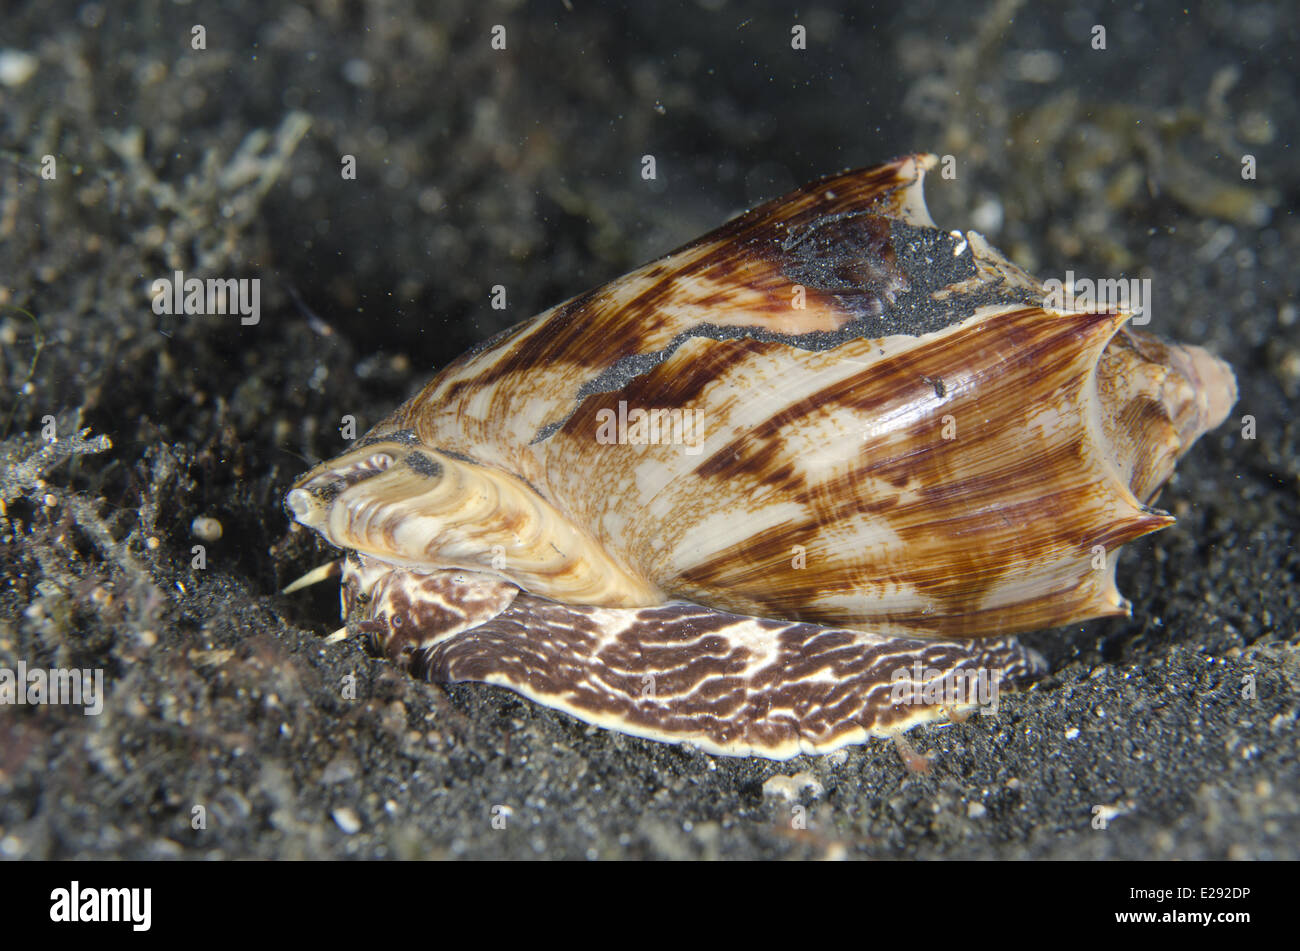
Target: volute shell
(920,448)
(897,452)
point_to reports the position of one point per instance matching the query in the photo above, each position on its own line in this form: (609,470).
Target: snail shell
(726,498)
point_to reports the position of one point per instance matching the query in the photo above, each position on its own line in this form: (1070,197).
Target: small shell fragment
(207,528)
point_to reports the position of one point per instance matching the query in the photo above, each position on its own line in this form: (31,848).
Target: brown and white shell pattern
(739,496)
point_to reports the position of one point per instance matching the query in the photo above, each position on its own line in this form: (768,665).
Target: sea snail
(773,493)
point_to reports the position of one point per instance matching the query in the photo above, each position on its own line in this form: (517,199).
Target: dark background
(479,167)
